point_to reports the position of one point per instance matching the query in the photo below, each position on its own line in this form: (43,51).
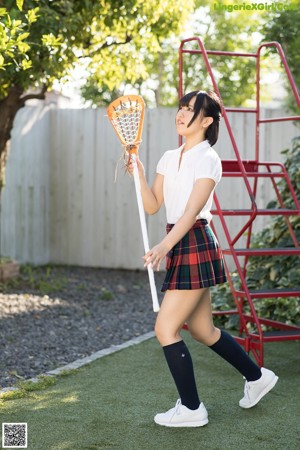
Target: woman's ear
(207,121)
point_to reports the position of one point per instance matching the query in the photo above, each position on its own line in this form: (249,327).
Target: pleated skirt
(196,261)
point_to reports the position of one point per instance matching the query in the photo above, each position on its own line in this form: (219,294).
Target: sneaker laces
(247,389)
(177,406)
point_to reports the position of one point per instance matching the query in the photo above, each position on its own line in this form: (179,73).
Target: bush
(273,271)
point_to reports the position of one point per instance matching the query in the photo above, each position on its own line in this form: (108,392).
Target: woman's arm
(152,197)
(197,200)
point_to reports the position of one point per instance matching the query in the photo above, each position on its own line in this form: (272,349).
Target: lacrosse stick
(126,115)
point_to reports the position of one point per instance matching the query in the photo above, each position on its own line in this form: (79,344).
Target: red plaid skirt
(196,261)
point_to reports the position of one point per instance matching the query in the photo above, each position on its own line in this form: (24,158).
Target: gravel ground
(51,316)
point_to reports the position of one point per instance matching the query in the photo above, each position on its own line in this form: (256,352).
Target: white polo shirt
(201,161)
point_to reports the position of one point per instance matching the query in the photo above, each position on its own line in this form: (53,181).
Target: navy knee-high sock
(181,367)
(232,352)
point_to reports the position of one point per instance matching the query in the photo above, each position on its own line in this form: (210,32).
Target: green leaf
(22,36)
(23,47)
(50,40)
(26,64)
(20,4)
(32,15)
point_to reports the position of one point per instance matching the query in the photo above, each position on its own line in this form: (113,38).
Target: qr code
(14,435)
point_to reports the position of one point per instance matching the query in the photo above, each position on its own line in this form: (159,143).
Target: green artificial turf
(110,404)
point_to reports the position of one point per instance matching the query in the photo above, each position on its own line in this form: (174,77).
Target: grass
(110,404)
(38,278)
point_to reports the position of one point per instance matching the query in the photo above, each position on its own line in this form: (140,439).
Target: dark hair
(208,104)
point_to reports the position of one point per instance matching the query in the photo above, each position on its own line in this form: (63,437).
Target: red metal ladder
(253,337)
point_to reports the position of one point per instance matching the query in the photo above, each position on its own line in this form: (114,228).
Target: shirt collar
(201,146)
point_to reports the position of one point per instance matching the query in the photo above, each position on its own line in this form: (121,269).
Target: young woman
(185,182)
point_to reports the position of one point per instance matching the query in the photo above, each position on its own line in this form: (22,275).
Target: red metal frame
(252,169)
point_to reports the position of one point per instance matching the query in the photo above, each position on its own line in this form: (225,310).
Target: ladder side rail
(285,64)
(249,234)
(268,165)
(291,81)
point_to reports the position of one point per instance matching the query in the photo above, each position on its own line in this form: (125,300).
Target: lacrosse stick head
(126,115)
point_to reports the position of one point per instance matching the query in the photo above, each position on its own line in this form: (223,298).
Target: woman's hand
(139,166)
(156,255)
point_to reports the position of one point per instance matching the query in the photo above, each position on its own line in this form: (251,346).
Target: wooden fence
(61,205)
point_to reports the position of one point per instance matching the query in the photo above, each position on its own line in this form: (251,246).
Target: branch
(39,96)
(106,45)
(128,39)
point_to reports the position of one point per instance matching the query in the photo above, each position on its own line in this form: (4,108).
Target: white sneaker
(181,416)
(255,390)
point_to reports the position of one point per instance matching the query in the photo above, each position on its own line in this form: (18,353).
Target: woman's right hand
(140,167)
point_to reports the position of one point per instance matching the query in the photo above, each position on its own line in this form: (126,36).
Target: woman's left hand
(155,256)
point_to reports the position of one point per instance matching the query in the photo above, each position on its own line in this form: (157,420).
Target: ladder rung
(228,312)
(263,251)
(255,174)
(259,212)
(281,333)
(271,293)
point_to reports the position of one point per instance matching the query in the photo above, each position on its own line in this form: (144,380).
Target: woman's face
(183,118)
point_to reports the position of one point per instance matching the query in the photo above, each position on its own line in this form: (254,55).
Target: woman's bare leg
(176,307)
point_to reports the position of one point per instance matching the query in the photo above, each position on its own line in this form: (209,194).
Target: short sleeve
(210,167)
(161,165)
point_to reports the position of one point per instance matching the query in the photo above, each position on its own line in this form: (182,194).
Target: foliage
(42,40)
(224,31)
(135,43)
(36,278)
(284,29)
(5,260)
(219,30)
(32,42)
(274,272)
(222,300)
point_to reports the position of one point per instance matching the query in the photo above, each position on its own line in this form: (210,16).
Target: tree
(41,41)
(220,30)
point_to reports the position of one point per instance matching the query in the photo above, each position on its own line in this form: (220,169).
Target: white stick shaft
(144,232)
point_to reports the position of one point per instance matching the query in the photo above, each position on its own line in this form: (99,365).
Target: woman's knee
(165,334)
(207,337)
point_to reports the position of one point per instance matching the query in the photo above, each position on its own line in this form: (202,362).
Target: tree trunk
(9,106)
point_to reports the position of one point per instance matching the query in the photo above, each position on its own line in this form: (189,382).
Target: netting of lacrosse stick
(126,115)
